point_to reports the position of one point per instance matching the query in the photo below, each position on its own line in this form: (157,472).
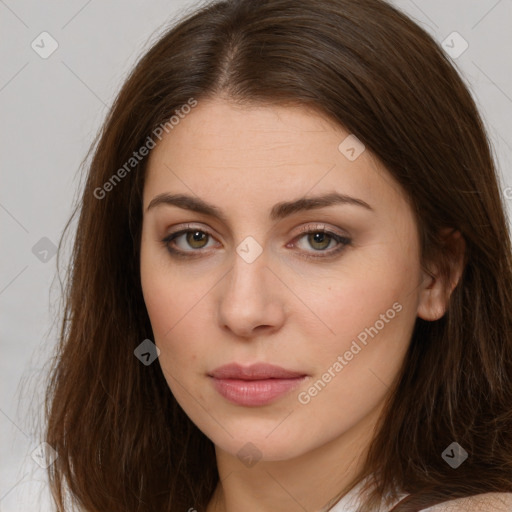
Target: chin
(261,449)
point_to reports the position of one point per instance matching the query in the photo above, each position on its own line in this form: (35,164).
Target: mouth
(255,385)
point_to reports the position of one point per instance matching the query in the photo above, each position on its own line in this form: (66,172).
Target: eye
(321,239)
(187,241)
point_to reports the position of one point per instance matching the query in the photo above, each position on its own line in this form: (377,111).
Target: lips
(255,385)
(257,371)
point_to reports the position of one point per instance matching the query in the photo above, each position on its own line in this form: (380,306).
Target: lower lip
(252,393)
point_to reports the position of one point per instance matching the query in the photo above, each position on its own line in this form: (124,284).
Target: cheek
(355,367)
(169,294)
(354,297)
(369,312)
(175,306)
(169,308)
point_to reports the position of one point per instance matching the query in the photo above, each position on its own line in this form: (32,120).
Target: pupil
(319,238)
(196,238)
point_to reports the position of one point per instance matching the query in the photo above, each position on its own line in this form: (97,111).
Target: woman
(291,279)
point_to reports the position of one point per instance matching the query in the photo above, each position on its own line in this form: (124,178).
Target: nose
(250,299)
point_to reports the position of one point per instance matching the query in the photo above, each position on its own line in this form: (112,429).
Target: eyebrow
(278,211)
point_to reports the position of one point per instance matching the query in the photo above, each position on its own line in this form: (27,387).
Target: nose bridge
(248,298)
(249,267)
(247,280)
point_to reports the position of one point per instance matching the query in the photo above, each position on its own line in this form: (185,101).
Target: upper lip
(258,371)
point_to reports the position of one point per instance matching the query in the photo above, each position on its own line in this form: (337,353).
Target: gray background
(51,110)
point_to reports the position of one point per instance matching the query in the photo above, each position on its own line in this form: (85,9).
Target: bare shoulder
(489,502)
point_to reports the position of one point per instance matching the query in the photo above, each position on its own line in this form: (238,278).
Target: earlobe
(436,290)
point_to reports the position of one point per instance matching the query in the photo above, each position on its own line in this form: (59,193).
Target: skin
(282,308)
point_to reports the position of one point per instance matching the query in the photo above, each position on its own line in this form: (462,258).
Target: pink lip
(254,385)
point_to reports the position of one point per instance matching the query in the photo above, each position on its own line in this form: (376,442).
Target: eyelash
(341,240)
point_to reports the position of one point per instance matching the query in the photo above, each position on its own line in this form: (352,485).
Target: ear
(435,290)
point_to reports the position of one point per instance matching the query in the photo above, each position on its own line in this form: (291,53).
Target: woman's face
(252,279)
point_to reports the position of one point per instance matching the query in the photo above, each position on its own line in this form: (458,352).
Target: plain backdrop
(51,109)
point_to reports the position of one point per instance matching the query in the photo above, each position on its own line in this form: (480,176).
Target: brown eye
(196,239)
(187,242)
(319,240)
(323,242)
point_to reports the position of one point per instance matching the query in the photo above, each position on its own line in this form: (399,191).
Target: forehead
(247,154)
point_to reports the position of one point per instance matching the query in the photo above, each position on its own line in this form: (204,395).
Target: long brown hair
(124,444)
